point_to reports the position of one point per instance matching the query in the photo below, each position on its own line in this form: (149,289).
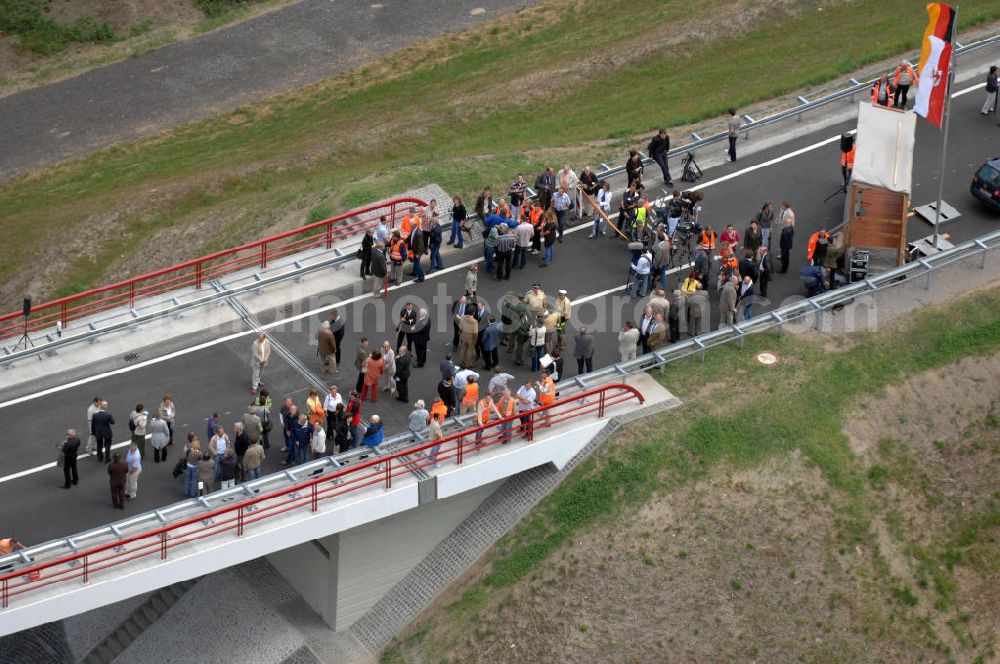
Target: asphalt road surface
(593,272)
(201,77)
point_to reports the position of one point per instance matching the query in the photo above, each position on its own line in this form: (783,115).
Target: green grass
(825,387)
(41,35)
(362,143)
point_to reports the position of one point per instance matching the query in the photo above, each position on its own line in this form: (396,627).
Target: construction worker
(486,412)
(564,309)
(847,163)
(470,398)
(882,91)
(817,247)
(439,411)
(901,81)
(502,208)
(9,545)
(397,254)
(506,405)
(708,238)
(411,220)
(537,219)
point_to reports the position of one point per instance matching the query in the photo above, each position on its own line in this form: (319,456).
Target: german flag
(935,62)
(940,24)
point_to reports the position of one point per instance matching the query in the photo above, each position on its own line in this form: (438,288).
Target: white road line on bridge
(307,314)
(38,469)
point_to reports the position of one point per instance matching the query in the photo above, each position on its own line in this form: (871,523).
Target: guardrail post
(928,286)
(531,427)
(86,569)
(239,523)
(461,446)
(163,546)
(197,275)
(600,406)
(314,498)
(329,235)
(388,473)
(131,295)
(65,320)
(6,599)
(263,255)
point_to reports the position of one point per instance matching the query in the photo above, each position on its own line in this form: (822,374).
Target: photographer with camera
(677,208)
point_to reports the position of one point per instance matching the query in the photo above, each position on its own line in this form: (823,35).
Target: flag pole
(947,122)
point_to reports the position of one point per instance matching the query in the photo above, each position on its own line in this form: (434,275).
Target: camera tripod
(841,190)
(680,254)
(24,343)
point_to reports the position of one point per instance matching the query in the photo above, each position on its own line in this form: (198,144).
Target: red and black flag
(935,63)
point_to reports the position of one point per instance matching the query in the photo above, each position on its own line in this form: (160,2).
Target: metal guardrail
(406,441)
(794,312)
(805,105)
(198,271)
(153,534)
(218,293)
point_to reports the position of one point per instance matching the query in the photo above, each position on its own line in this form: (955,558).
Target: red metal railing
(198,271)
(236,518)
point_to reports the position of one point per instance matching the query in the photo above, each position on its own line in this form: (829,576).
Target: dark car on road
(986,183)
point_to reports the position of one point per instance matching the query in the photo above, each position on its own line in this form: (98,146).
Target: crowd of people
(531,326)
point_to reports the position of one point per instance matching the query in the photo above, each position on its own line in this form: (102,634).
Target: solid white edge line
(307,314)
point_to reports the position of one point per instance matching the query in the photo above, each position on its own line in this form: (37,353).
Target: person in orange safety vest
(817,247)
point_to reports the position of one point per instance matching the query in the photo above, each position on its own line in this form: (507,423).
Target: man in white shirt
(330,403)
(527,398)
(561,202)
(463,378)
(524,232)
(382,231)
(218,444)
(261,350)
(536,340)
(499,381)
(94,406)
(640,275)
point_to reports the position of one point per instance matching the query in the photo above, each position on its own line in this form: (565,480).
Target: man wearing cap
(535,299)
(564,309)
(504,248)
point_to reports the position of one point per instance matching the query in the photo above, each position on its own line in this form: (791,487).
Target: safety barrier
(794,312)
(255,505)
(200,271)
(804,105)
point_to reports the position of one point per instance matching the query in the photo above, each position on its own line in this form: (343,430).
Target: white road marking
(307,314)
(38,469)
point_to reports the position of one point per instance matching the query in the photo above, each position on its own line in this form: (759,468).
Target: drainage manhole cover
(766,357)
(130,357)
(286,310)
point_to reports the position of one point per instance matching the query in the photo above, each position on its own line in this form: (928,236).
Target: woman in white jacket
(604,201)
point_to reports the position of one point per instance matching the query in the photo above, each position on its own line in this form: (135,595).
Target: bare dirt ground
(756,565)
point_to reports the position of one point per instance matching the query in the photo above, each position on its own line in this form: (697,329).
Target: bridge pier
(343,575)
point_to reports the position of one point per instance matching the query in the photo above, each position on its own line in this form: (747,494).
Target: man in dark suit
(583,351)
(420,336)
(117,470)
(70,448)
(337,326)
(402,375)
(407,317)
(100,426)
(446,390)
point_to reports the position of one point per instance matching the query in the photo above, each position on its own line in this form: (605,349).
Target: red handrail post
(263,255)
(459,446)
(5,593)
(163,546)
(63,316)
(314,498)
(329,234)
(531,427)
(600,407)
(239,523)
(197,276)
(131,295)
(388,473)
(86,569)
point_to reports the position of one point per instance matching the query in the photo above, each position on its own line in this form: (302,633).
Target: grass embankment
(543,85)
(676,510)
(47,45)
